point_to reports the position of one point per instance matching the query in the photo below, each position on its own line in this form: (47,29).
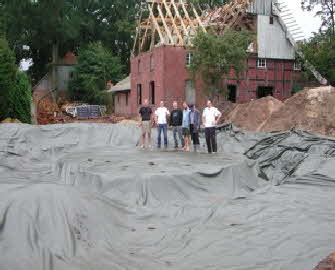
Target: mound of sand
(253,115)
(327,264)
(10,121)
(310,110)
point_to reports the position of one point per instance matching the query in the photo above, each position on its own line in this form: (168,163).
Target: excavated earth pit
(82,196)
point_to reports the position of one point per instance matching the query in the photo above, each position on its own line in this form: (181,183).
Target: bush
(20,99)
(320,52)
(96,65)
(8,71)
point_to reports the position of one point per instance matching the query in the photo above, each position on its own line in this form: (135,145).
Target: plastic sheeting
(81,196)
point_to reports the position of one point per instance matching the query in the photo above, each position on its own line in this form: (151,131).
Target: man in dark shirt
(145,115)
(194,126)
(176,121)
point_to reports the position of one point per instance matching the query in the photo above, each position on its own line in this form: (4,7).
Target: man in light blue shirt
(186,127)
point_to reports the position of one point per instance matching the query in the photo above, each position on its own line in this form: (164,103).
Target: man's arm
(219,114)
(203,117)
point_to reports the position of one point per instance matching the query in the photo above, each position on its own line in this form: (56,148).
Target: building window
(139,94)
(271,20)
(261,63)
(152,92)
(127,95)
(138,65)
(189,58)
(297,66)
(118,98)
(151,62)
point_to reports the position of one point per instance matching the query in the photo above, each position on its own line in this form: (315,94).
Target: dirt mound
(327,264)
(10,121)
(254,114)
(311,110)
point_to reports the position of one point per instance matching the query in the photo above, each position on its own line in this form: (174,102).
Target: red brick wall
(169,73)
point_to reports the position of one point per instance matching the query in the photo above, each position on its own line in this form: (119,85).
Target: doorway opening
(264,91)
(231,95)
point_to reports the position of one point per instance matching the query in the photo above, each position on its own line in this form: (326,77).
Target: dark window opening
(231,93)
(264,91)
(118,98)
(152,92)
(139,94)
(127,94)
(71,75)
(271,20)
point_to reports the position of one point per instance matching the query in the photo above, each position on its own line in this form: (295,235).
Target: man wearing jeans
(161,115)
(210,118)
(176,121)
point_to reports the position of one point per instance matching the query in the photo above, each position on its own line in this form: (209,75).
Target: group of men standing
(185,124)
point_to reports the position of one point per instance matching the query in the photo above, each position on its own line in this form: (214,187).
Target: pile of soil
(253,115)
(10,121)
(310,110)
(327,264)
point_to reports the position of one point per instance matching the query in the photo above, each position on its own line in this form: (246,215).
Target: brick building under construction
(160,56)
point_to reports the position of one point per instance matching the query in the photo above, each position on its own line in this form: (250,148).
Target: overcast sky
(306,20)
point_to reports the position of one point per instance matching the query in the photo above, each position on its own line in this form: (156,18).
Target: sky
(305,19)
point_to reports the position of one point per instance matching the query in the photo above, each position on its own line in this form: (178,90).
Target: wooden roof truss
(175,22)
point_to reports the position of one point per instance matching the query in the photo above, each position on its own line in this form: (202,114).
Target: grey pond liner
(82,196)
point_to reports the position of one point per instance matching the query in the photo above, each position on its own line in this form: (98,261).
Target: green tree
(8,71)
(327,12)
(96,65)
(21,99)
(15,90)
(320,52)
(53,27)
(214,57)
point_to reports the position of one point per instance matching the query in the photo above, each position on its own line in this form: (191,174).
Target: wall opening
(139,94)
(264,91)
(152,92)
(231,95)
(127,96)
(190,92)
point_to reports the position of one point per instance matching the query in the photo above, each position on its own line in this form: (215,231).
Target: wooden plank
(156,25)
(169,13)
(179,17)
(167,30)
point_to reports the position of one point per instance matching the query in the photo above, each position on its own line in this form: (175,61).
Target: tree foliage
(327,12)
(71,24)
(7,78)
(208,4)
(15,90)
(320,52)
(21,99)
(215,57)
(96,65)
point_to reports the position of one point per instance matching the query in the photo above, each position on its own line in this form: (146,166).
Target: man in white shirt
(161,114)
(210,118)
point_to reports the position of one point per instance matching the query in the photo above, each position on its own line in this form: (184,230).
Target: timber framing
(176,22)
